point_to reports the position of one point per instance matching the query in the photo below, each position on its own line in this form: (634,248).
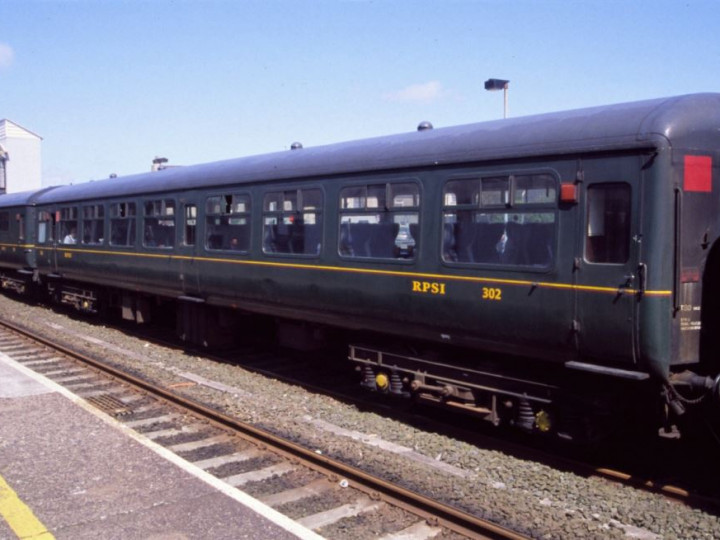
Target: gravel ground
(530,497)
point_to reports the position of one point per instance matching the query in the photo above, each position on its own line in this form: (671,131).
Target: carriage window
(462,192)
(122,224)
(93,224)
(46,227)
(159,225)
(21,226)
(292,222)
(506,220)
(4,221)
(379,221)
(608,223)
(228,223)
(535,189)
(190,224)
(495,191)
(67,219)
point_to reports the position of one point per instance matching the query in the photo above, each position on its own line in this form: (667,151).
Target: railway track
(292,370)
(320,493)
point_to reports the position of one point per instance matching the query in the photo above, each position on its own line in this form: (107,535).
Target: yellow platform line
(19,516)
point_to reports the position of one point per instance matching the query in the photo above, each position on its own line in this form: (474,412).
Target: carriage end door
(607,277)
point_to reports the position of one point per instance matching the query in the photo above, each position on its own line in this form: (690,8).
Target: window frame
(406,250)
(628,223)
(51,228)
(65,215)
(286,217)
(20,218)
(158,217)
(4,221)
(510,206)
(126,216)
(94,219)
(190,224)
(232,214)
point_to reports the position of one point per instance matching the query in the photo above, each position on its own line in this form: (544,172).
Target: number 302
(491,293)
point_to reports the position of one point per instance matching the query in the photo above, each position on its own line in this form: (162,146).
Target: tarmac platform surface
(70,471)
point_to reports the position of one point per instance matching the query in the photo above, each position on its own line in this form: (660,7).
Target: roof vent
(296,146)
(158,164)
(424,126)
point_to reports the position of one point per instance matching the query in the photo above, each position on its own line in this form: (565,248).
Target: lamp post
(499,84)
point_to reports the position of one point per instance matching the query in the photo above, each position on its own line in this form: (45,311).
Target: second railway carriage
(538,270)
(18,263)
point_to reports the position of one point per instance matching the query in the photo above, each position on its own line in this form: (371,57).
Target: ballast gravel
(530,497)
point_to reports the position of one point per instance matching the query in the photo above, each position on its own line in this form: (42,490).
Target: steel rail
(676,493)
(435,512)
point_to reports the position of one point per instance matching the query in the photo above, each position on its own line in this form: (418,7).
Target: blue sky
(109,85)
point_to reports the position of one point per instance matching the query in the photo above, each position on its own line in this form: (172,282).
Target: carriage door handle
(642,273)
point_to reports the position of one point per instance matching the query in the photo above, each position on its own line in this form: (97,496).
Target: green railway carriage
(18,257)
(551,267)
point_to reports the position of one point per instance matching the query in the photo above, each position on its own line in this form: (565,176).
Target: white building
(20,158)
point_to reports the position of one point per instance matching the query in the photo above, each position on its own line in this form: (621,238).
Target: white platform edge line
(240,496)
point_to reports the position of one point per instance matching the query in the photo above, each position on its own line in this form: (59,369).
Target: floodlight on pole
(499,84)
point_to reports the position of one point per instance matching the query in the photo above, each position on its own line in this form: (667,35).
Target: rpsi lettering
(428,287)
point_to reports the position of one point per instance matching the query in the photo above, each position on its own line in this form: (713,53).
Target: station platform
(70,471)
